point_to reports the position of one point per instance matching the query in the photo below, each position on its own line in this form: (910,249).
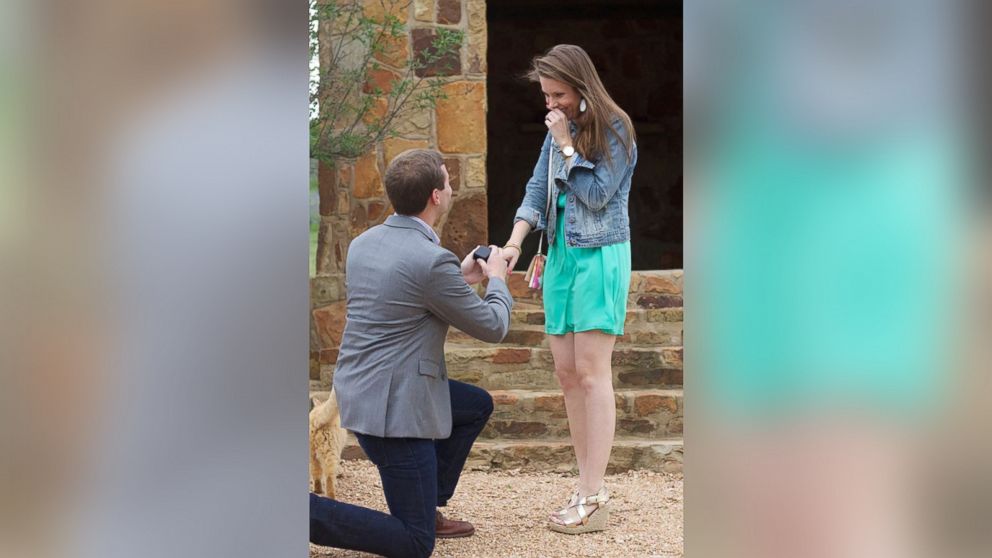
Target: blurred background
(837,280)
(153,232)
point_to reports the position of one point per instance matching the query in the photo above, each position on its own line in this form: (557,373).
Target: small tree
(346,117)
(349,114)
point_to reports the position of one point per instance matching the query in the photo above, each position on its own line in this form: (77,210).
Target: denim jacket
(596,207)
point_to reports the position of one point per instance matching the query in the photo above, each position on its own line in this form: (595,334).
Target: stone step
(531,313)
(525,414)
(660,334)
(628,453)
(656,327)
(625,357)
(543,456)
(527,377)
(520,367)
(544,379)
(648,289)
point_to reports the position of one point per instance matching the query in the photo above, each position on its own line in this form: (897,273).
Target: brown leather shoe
(451,529)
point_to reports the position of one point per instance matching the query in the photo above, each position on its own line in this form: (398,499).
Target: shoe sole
(458,536)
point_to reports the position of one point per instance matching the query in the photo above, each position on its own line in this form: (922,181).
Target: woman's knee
(567,376)
(591,378)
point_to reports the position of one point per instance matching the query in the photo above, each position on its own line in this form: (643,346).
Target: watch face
(568,150)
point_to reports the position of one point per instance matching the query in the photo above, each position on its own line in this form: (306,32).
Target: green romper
(585,288)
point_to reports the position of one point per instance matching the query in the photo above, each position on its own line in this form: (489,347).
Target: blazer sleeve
(452,300)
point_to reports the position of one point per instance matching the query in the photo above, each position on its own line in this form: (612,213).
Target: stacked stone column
(352,196)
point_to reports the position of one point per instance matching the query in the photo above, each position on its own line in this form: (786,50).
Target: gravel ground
(508,510)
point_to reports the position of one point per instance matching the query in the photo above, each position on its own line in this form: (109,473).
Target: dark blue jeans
(417,476)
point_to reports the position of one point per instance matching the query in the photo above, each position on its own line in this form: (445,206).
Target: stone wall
(352,196)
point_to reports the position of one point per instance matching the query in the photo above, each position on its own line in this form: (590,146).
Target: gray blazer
(403,293)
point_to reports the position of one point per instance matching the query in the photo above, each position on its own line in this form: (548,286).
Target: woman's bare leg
(563,351)
(593,366)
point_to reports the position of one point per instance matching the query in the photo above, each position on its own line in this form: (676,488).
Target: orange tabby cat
(327,439)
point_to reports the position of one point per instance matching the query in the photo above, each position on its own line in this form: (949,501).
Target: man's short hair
(411,178)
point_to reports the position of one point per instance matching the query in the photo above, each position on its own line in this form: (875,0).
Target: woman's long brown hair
(571,65)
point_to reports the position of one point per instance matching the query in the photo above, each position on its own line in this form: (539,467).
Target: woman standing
(591,153)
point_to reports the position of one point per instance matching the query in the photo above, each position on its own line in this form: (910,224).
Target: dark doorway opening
(636,46)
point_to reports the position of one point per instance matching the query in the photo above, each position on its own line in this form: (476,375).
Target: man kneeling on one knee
(415,424)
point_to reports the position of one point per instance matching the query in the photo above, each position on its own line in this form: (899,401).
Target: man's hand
(496,265)
(471,270)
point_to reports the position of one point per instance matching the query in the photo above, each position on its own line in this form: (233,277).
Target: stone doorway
(637,48)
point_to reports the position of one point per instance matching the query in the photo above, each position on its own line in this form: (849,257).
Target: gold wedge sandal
(572,500)
(586,521)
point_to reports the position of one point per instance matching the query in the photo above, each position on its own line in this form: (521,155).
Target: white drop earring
(582,105)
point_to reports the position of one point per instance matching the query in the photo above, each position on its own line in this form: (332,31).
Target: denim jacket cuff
(530,215)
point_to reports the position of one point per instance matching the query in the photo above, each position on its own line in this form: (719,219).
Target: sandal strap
(581,519)
(600,497)
(572,500)
(582,516)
